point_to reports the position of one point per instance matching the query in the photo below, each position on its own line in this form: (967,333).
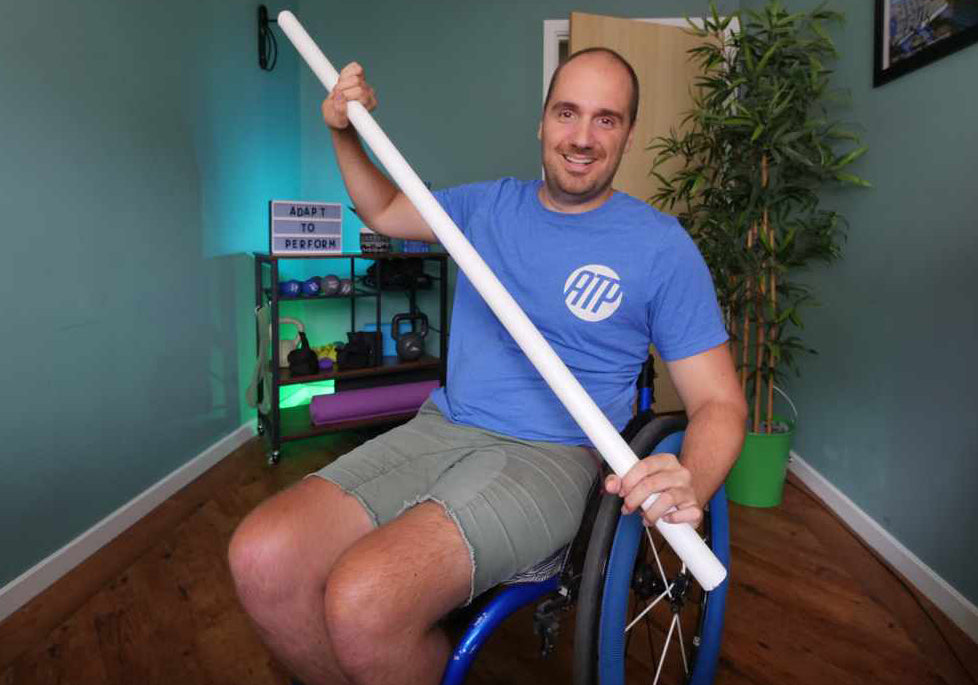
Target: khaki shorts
(515,502)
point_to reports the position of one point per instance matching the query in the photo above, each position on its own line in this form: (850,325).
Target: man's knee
(259,557)
(360,616)
(286,547)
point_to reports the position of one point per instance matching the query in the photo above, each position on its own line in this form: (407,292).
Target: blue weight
(289,288)
(311,286)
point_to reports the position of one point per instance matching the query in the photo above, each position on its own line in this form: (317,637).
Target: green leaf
(853,180)
(768,55)
(851,157)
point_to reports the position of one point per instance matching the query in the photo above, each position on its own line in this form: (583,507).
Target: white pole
(704,566)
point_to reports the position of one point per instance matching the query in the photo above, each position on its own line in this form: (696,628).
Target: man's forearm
(371,191)
(714,437)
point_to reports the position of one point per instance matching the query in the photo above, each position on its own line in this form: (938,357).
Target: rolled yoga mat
(369,403)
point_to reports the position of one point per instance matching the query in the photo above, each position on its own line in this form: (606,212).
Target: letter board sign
(305,228)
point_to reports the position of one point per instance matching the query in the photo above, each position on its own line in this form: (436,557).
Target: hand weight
(311,287)
(290,288)
(410,346)
(330,285)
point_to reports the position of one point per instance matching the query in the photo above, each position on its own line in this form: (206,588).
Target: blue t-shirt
(599,285)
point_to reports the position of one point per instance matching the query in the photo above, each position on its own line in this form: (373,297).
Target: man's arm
(707,384)
(379,203)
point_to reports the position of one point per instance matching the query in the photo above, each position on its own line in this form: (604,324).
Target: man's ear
(628,140)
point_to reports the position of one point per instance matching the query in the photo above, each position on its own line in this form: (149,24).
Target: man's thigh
(513,502)
(415,568)
(516,503)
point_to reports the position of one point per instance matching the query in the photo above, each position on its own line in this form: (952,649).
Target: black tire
(599,548)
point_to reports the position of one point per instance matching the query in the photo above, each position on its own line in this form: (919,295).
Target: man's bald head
(614,57)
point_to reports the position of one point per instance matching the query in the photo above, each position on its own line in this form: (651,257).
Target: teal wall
(141,143)
(888,406)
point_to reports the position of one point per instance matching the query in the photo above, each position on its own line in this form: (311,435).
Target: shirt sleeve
(684,316)
(460,202)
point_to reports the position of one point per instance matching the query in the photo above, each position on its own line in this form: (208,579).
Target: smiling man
(347,574)
(586,128)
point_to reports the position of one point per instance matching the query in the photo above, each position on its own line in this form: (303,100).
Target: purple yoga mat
(369,403)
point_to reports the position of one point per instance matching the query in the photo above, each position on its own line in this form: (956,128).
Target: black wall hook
(267,45)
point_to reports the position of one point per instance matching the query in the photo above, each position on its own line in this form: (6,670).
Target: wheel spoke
(658,563)
(665,649)
(648,608)
(682,646)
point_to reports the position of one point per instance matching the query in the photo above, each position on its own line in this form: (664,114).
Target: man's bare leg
(386,594)
(281,556)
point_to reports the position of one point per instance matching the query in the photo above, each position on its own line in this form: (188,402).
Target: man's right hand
(350,86)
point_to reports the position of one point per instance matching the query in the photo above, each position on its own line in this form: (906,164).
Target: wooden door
(659,55)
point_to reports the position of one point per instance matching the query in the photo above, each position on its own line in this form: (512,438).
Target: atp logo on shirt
(593,292)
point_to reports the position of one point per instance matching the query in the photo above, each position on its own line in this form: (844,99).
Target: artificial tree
(754,152)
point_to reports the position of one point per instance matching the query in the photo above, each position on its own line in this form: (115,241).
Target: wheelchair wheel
(641,617)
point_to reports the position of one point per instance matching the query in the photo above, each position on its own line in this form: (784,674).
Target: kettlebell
(410,346)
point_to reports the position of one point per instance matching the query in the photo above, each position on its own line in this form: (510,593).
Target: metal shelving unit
(284,425)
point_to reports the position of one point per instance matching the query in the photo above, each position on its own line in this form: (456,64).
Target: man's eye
(565,114)
(606,122)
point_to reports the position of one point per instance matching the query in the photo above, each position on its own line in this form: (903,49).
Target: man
(347,574)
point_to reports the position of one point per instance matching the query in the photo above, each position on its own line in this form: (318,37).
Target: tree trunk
(773,286)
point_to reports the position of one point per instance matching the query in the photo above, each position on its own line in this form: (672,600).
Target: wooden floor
(808,603)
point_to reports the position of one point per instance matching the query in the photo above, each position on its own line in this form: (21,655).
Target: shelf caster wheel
(274,457)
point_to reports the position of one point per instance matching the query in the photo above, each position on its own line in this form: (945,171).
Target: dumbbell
(290,288)
(346,287)
(330,285)
(311,286)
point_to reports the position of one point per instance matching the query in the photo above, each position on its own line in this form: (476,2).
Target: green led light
(296,395)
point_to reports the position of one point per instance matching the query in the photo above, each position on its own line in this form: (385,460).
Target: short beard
(566,197)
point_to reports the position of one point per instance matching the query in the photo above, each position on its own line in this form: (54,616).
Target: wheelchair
(640,615)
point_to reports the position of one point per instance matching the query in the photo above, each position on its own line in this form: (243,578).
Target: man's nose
(581,136)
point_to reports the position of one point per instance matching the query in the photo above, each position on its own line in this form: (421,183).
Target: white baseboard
(955,606)
(42,575)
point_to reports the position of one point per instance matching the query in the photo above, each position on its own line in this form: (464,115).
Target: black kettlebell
(410,346)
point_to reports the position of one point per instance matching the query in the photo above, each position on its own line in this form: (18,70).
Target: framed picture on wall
(912,33)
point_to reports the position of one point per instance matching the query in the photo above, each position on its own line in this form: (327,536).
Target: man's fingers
(352,69)
(358,92)
(661,482)
(692,515)
(647,467)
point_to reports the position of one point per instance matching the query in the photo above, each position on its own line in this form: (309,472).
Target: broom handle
(704,566)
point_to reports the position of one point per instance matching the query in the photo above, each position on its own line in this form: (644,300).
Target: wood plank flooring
(808,602)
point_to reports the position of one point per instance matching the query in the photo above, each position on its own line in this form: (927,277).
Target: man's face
(584,132)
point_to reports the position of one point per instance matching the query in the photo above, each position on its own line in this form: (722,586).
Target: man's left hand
(661,473)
